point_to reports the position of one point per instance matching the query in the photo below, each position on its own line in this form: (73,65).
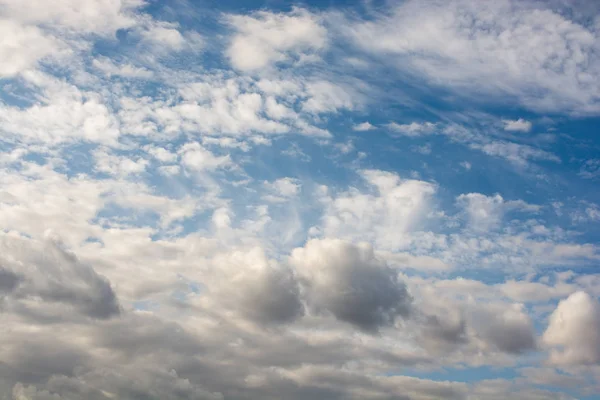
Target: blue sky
(323,199)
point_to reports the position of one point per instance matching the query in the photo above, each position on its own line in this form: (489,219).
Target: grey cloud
(350,283)
(254,286)
(273,298)
(443,333)
(507,328)
(8,280)
(55,276)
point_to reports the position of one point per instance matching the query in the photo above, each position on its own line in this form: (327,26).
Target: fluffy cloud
(350,283)
(40,277)
(185,216)
(382,217)
(573,333)
(259,288)
(508,329)
(519,125)
(363,127)
(266,38)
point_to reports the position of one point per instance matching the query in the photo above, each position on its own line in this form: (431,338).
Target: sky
(330,199)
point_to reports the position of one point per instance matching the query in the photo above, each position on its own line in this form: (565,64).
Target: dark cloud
(8,280)
(50,276)
(272,298)
(507,328)
(350,283)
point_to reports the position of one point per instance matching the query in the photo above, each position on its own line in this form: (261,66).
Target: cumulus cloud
(573,333)
(266,38)
(363,127)
(508,329)
(259,288)
(381,217)
(519,125)
(349,282)
(42,276)
(210,234)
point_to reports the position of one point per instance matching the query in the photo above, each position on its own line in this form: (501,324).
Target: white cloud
(384,217)
(518,154)
(519,125)
(486,212)
(195,157)
(573,333)
(108,66)
(325,96)
(521,50)
(22,47)
(414,129)
(590,169)
(119,165)
(163,35)
(161,154)
(363,127)
(284,187)
(84,16)
(63,114)
(264,38)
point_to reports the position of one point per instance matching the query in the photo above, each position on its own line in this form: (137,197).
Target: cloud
(573,333)
(485,212)
(86,16)
(191,215)
(519,125)
(509,49)
(118,165)
(509,329)
(414,129)
(24,46)
(383,217)
(110,68)
(282,189)
(49,276)
(363,127)
(258,288)
(197,158)
(64,114)
(350,283)
(590,169)
(518,154)
(265,38)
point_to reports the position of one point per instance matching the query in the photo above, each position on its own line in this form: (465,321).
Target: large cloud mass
(268,201)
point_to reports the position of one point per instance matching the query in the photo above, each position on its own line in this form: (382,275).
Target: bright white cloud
(486,212)
(264,38)
(383,217)
(508,49)
(519,125)
(414,129)
(573,333)
(195,157)
(363,127)
(22,47)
